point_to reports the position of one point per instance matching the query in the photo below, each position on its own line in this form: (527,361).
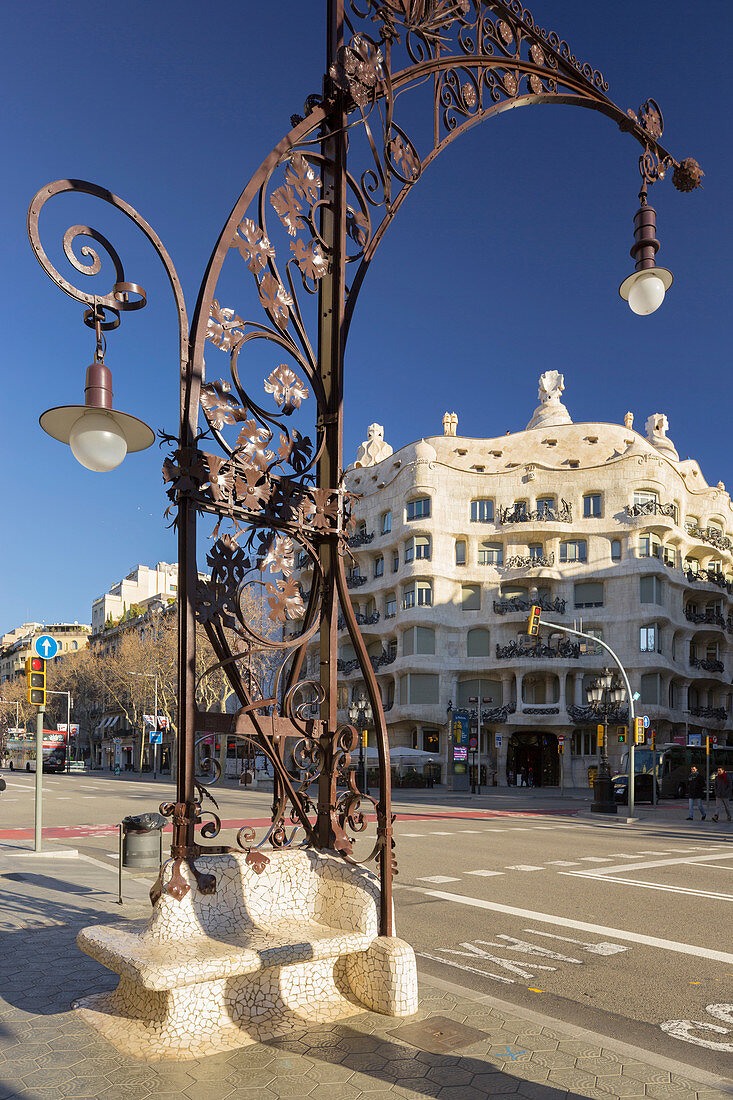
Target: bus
(673,764)
(21,752)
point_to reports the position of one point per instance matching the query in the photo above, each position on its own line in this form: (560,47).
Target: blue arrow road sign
(46,646)
(646,722)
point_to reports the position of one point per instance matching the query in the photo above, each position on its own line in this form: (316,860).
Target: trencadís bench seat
(265,953)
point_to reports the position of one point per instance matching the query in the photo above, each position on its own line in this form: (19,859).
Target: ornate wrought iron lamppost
(604,695)
(360,713)
(318,207)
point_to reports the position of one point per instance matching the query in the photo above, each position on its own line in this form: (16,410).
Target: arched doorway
(535,756)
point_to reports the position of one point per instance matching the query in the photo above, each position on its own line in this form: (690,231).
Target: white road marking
(591,948)
(438,878)
(437,832)
(596,859)
(524,867)
(486,874)
(680,1029)
(561,863)
(648,864)
(412,834)
(600,877)
(463,832)
(470,969)
(580,926)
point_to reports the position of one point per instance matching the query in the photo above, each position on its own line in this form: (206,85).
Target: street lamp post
(476,788)
(604,694)
(360,714)
(324,198)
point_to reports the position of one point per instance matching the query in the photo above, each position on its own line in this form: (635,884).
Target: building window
(519,509)
(650,688)
(460,551)
(574,550)
(418,639)
(417,548)
(490,553)
(430,741)
(692,565)
(692,523)
(379,566)
(392,648)
(590,649)
(385,523)
(645,496)
(482,511)
(592,505)
(583,744)
(395,561)
(650,590)
(650,639)
(546,507)
(419,687)
(471,597)
(342,696)
(615,550)
(418,594)
(390,606)
(649,545)
(589,594)
(536,550)
(477,642)
(418,509)
(669,555)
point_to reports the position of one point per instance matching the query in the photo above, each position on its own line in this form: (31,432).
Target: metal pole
(654,769)
(478,742)
(707,774)
(39,779)
(119,864)
(68,733)
(629,696)
(155,746)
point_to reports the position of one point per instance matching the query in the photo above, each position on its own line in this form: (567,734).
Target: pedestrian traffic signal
(533,627)
(622,734)
(640,732)
(35,670)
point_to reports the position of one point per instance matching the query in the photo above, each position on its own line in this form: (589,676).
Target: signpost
(46,647)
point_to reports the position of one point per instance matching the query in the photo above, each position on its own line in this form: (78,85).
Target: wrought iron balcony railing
(710,535)
(712,576)
(718,713)
(384,658)
(616,716)
(502,607)
(540,710)
(707,664)
(652,508)
(355,580)
(493,714)
(532,562)
(362,620)
(519,514)
(515,650)
(361,538)
(708,617)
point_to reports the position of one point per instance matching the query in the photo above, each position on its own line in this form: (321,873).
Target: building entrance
(532,760)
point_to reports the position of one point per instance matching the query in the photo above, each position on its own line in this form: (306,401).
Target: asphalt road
(623,929)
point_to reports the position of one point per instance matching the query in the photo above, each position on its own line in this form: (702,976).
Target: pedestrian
(3,785)
(530,777)
(721,787)
(695,790)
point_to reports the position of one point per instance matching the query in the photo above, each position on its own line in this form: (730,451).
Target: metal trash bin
(142,840)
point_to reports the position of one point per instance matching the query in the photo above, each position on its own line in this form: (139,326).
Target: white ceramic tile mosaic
(263,954)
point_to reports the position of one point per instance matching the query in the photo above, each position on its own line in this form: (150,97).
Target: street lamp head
(99,436)
(644,290)
(605,680)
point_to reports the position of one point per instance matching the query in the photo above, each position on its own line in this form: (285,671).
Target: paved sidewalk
(47,1052)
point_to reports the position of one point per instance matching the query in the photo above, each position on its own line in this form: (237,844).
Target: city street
(620,928)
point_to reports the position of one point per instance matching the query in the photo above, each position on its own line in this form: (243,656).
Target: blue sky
(504,262)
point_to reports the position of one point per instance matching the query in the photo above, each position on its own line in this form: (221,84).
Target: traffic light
(639,732)
(35,670)
(364,739)
(533,626)
(599,736)
(622,733)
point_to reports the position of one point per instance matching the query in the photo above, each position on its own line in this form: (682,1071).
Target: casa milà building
(601,525)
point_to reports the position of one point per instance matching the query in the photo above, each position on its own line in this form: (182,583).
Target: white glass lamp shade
(645,290)
(97,441)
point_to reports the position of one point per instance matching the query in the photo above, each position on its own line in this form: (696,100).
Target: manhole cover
(438,1034)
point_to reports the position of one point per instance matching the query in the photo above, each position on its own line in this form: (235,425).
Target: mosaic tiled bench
(295,944)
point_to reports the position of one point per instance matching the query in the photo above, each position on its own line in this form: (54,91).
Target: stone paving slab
(47,1052)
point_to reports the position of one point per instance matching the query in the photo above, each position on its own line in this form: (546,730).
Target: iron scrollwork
(266,471)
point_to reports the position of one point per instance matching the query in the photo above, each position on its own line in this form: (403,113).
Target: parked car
(642,788)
